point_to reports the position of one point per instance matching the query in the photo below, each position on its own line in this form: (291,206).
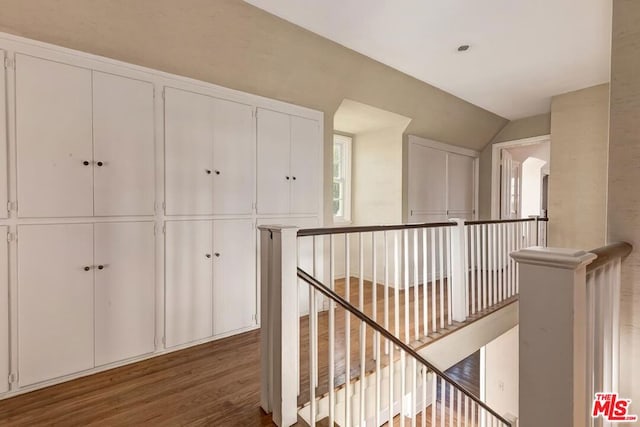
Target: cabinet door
(4,312)
(234,278)
(124,291)
(273,162)
(189,289)
(306,157)
(427,184)
(55,301)
(460,186)
(123,138)
(3,138)
(53,128)
(188,153)
(233,158)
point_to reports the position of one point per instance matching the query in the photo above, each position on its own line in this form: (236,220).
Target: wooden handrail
(331,294)
(609,253)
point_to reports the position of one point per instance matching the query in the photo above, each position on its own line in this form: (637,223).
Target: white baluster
(386,290)
(312,354)
(442,252)
(433,280)
(485,265)
(407,289)
(347,335)
(403,386)
(416,287)
(472,234)
(448,253)
(362,410)
(331,355)
(425,281)
(396,293)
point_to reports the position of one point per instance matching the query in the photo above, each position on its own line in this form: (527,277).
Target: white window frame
(347,143)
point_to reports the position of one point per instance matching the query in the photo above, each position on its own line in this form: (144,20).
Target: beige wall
(578,181)
(377,177)
(517,129)
(234,44)
(623,210)
(501,373)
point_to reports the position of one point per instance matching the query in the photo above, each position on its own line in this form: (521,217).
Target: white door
(124,290)
(54,136)
(427,184)
(188,281)
(507,195)
(3,138)
(4,312)
(233,158)
(234,277)
(274,175)
(188,153)
(55,301)
(460,186)
(123,138)
(306,158)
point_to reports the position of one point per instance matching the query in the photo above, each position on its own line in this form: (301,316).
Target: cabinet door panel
(273,162)
(124,291)
(4,312)
(3,138)
(55,301)
(188,153)
(460,182)
(233,158)
(234,281)
(305,160)
(427,182)
(53,125)
(189,278)
(123,135)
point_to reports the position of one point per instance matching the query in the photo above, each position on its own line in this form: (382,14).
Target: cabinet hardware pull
(217,254)
(208,255)
(208,171)
(86,163)
(87,268)
(287,178)
(100,267)
(99,163)
(294,178)
(217,172)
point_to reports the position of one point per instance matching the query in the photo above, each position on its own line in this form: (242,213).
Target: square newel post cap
(570,259)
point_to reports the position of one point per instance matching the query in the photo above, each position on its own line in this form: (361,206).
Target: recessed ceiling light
(463,48)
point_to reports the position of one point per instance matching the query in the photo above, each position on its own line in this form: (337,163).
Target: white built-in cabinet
(289,159)
(85,296)
(85,141)
(210,152)
(210,279)
(132,198)
(441,181)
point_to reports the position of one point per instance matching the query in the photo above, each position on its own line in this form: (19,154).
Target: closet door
(305,165)
(274,175)
(3,138)
(234,277)
(188,153)
(53,128)
(189,289)
(427,184)
(233,158)
(460,186)
(124,291)
(4,312)
(55,301)
(123,137)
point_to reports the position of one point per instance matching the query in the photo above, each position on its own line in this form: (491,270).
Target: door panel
(305,165)
(55,301)
(427,182)
(233,158)
(3,139)
(234,279)
(188,153)
(273,162)
(4,312)
(189,278)
(123,137)
(54,134)
(124,291)
(460,181)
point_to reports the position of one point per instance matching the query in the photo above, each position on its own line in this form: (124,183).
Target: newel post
(459,271)
(279,323)
(552,338)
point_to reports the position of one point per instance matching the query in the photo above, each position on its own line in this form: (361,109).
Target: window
(341,178)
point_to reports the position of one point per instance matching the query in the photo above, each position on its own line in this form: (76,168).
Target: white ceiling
(354,118)
(522,51)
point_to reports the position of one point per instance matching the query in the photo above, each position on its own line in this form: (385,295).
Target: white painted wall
(531,186)
(501,373)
